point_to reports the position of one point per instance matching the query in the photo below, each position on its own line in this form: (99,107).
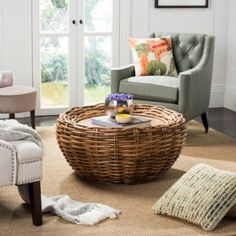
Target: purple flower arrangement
(122,97)
(118,103)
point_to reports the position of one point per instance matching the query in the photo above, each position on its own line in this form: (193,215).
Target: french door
(75,43)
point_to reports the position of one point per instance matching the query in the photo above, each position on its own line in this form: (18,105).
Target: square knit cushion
(202,196)
(153,56)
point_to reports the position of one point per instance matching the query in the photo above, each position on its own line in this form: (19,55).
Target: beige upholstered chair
(16,99)
(21,165)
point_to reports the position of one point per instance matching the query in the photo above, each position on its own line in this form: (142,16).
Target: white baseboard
(217,95)
(230,98)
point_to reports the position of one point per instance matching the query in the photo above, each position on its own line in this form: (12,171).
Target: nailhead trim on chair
(8,147)
(28,162)
(29,181)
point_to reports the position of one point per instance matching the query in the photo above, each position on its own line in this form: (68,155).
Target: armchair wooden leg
(205,121)
(35,202)
(12,116)
(32,116)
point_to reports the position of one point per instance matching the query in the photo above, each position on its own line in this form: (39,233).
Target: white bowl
(123,118)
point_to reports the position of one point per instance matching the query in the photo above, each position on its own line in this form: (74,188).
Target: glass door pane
(98,15)
(54,53)
(97,68)
(54,16)
(54,71)
(97,49)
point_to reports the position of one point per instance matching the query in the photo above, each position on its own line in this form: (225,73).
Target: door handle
(80,21)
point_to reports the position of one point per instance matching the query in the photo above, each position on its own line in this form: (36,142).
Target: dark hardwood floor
(220,119)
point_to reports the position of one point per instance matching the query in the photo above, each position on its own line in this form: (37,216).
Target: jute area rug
(135,201)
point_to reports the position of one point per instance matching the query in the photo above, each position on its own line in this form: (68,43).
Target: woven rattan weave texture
(121,155)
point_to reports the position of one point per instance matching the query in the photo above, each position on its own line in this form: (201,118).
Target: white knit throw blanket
(63,206)
(78,212)
(12,130)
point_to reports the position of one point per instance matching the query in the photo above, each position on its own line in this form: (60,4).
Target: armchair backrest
(187,49)
(6,79)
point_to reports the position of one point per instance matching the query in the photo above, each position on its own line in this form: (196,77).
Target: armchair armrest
(7,164)
(6,79)
(195,84)
(117,74)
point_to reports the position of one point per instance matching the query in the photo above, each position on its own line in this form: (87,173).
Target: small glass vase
(113,107)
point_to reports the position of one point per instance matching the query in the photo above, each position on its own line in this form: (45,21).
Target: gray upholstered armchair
(188,94)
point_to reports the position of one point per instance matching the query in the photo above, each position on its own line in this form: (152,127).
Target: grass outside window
(56,94)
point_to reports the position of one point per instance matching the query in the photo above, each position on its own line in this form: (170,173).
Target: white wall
(230,92)
(212,20)
(15,39)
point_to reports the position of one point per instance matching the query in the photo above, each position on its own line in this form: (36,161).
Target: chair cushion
(153,56)
(16,90)
(15,99)
(202,196)
(187,48)
(154,88)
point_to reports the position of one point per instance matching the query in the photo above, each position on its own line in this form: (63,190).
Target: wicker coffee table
(121,155)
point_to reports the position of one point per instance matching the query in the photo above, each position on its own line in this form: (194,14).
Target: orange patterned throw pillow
(153,56)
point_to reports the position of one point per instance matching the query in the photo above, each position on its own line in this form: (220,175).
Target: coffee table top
(88,123)
(159,116)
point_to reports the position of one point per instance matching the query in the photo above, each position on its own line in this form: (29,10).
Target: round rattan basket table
(121,155)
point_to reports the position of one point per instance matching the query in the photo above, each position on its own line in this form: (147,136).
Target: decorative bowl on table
(118,103)
(123,118)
